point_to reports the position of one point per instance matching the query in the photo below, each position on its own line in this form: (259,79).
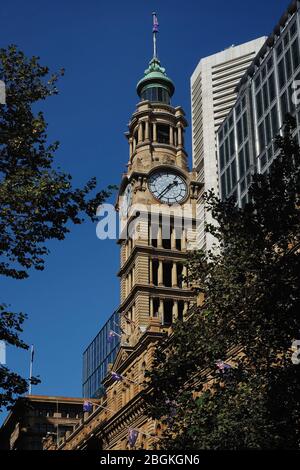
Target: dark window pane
(295,54)
(259,106)
(274,120)
(284,106)
(293,29)
(233,172)
(261,137)
(239,132)
(288,64)
(279,49)
(241,164)
(270,64)
(257,82)
(222,160)
(247,156)
(272,87)
(231,143)
(266,96)
(223,186)
(268,129)
(245,125)
(281,73)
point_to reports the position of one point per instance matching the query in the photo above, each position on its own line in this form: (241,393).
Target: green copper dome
(155,85)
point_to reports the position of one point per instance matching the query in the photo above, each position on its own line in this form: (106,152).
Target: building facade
(35,417)
(155,193)
(265,95)
(98,356)
(213,93)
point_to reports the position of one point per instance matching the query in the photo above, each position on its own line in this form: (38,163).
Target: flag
(122,331)
(87,406)
(155,23)
(112,334)
(132,437)
(222,366)
(117,377)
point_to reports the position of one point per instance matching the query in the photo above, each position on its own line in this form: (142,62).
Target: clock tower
(157,207)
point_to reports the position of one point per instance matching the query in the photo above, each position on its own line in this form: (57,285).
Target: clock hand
(175,183)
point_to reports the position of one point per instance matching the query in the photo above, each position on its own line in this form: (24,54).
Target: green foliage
(249,319)
(37,200)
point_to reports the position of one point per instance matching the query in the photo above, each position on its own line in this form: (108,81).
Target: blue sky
(104,47)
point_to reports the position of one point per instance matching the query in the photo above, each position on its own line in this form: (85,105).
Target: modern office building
(213,93)
(98,355)
(34,417)
(265,96)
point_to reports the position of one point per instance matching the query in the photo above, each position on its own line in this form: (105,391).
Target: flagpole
(154,36)
(30,370)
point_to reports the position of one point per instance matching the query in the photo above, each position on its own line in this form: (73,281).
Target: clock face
(126,200)
(168,187)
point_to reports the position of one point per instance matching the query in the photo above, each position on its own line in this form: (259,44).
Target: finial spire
(154,31)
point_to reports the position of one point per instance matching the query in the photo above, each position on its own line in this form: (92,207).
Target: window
(270,64)
(257,82)
(268,129)
(261,137)
(227,150)
(263,73)
(293,29)
(223,186)
(281,74)
(274,120)
(288,64)
(286,40)
(233,173)
(295,54)
(272,87)
(241,164)
(247,156)
(163,134)
(230,121)
(245,125)
(231,143)
(266,96)
(279,49)
(284,105)
(239,132)
(259,106)
(263,160)
(222,160)
(228,180)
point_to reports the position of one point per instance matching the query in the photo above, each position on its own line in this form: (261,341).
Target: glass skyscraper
(97,356)
(265,95)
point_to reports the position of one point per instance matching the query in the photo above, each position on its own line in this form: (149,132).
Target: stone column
(140,133)
(154,132)
(133,277)
(130,147)
(185,308)
(184,274)
(147,130)
(179,133)
(183,241)
(151,308)
(161,310)
(174,275)
(173,238)
(171,138)
(160,273)
(150,271)
(159,237)
(175,310)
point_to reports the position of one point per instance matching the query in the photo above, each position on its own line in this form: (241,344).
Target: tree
(225,379)
(37,200)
